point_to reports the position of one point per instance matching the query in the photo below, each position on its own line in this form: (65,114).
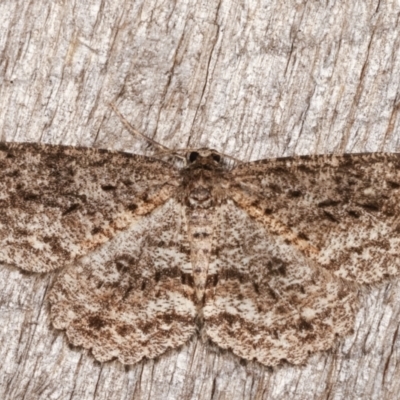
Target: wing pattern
(344,211)
(266,257)
(268,301)
(59,203)
(131,298)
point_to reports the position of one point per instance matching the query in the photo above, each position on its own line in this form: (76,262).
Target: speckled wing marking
(59,203)
(269,302)
(132,298)
(267,256)
(343,212)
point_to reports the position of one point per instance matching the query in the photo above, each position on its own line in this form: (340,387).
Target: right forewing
(341,211)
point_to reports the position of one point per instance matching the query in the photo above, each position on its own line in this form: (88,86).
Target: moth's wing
(58,203)
(265,300)
(343,211)
(133,297)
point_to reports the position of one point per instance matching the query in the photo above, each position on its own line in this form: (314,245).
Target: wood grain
(252,79)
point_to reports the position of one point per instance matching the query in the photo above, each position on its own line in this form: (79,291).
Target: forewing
(58,203)
(266,301)
(342,211)
(133,297)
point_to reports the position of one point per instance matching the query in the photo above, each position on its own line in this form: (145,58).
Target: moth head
(203,155)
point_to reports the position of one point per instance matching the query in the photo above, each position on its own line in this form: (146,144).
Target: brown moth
(264,258)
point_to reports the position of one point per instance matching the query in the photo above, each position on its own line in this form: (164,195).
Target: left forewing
(58,203)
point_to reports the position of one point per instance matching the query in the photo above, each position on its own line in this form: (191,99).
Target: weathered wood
(252,79)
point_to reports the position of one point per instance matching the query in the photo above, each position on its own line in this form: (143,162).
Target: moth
(264,258)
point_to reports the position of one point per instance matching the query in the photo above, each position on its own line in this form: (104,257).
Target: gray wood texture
(253,79)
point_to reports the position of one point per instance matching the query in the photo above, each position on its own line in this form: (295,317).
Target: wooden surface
(252,79)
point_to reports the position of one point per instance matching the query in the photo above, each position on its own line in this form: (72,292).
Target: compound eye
(216,157)
(193,156)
